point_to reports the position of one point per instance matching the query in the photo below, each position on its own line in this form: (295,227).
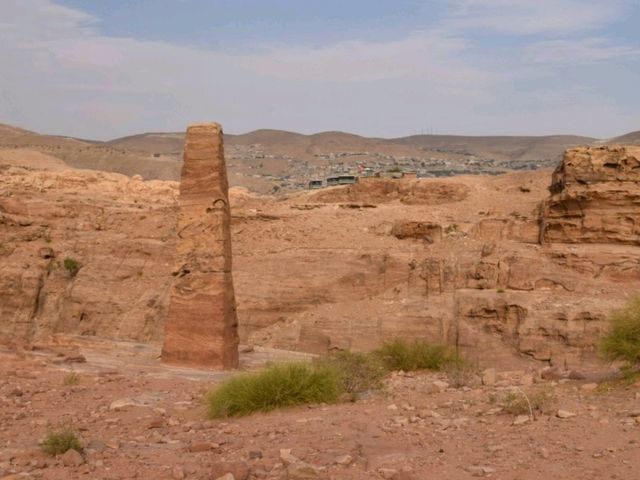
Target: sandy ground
(140,421)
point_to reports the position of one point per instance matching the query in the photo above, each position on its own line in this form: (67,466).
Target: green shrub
(71,379)
(622,340)
(416,355)
(284,385)
(59,442)
(359,372)
(72,266)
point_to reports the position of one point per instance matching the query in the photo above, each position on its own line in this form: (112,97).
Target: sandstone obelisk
(201,328)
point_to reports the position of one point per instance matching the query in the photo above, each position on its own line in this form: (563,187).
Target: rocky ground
(146,423)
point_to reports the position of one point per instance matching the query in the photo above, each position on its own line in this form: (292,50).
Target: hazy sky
(102,69)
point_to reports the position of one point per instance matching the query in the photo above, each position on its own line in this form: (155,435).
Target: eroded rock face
(202,326)
(106,223)
(595,197)
(316,278)
(427,231)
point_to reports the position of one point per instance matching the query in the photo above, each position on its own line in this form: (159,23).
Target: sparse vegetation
(284,385)
(461,372)
(629,376)
(622,340)
(327,380)
(400,354)
(72,378)
(451,229)
(359,372)
(72,266)
(59,442)
(518,402)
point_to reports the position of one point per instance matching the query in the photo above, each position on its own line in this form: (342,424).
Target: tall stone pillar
(201,328)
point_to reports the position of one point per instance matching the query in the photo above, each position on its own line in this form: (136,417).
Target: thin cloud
(534,17)
(581,51)
(62,75)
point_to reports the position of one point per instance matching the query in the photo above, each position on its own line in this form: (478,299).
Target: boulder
(427,231)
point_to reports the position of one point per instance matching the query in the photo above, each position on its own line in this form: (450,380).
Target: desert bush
(415,355)
(61,441)
(72,378)
(451,229)
(622,340)
(518,402)
(280,385)
(461,372)
(72,266)
(359,372)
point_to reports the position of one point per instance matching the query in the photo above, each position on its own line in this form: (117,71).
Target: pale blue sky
(102,69)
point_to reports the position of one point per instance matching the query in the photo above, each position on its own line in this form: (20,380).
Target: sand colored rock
(201,325)
(309,275)
(429,232)
(103,221)
(595,197)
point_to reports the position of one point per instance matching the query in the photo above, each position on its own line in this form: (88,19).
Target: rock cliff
(595,197)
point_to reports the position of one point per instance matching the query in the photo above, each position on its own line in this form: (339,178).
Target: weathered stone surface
(427,231)
(595,197)
(104,221)
(202,326)
(311,280)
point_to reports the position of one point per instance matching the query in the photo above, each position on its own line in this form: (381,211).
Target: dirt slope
(632,138)
(151,423)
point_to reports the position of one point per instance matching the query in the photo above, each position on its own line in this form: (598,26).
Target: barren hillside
(275,161)
(632,138)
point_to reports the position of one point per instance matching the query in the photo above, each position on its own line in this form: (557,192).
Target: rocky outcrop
(104,222)
(427,231)
(201,328)
(383,190)
(595,197)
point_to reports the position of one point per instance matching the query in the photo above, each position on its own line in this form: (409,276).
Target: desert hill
(632,138)
(522,148)
(279,141)
(7,132)
(85,154)
(165,143)
(268,161)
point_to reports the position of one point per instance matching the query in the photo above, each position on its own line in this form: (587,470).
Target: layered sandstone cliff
(595,197)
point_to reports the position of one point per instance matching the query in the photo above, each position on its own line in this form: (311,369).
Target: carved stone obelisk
(201,328)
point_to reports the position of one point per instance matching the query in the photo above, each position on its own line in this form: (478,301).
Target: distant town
(341,168)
